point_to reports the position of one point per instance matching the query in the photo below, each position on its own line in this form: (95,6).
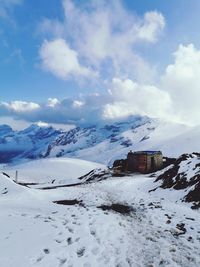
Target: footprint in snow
(69,241)
(80,252)
(46,250)
(54,212)
(58,241)
(4,191)
(39,259)
(62,261)
(70,230)
(37,216)
(55,226)
(92,232)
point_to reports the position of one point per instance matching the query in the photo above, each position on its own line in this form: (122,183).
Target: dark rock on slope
(184,174)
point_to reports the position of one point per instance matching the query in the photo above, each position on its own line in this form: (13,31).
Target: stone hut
(144,161)
(140,161)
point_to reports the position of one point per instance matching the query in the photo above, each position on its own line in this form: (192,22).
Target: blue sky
(21,76)
(44,53)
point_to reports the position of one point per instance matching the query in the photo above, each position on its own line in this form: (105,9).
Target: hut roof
(147,152)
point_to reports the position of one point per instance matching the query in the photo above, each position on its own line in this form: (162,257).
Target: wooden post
(16,176)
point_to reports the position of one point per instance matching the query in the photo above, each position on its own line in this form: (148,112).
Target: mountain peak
(4,129)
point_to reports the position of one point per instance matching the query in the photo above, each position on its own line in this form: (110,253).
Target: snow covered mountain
(29,143)
(99,143)
(99,219)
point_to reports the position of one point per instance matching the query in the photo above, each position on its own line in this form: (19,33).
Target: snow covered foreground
(35,231)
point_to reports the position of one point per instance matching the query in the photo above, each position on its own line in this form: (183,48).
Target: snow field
(37,232)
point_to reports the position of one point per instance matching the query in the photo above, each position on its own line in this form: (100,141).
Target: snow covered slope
(102,144)
(181,180)
(56,170)
(115,222)
(29,143)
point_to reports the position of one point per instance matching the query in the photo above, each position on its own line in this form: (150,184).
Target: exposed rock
(184,173)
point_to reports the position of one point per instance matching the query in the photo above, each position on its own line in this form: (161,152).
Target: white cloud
(78,103)
(14,124)
(18,125)
(68,111)
(130,98)
(58,58)
(103,39)
(57,126)
(20,106)
(175,98)
(52,102)
(182,81)
(153,25)
(93,39)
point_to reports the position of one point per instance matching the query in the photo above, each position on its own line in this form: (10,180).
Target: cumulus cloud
(182,81)
(52,102)
(19,106)
(175,97)
(125,98)
(68,111)
(58,58)
(153,25)
(91,39)
(130,98)
(14,124)
(17,124)
(102,39)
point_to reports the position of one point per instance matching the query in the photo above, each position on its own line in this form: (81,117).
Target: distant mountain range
(102,144)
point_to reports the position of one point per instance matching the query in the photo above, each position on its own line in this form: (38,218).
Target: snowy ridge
(26,144)
(101,144)
(51,170)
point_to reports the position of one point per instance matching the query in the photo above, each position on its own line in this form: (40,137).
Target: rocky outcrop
(183,174)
